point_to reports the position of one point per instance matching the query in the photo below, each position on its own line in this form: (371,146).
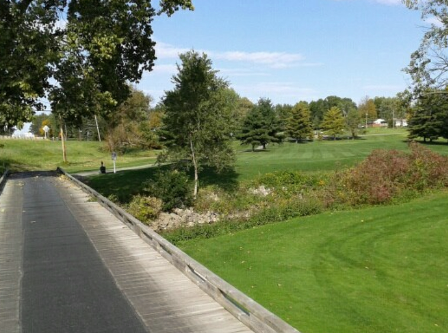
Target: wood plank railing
(3,179)
(238,304)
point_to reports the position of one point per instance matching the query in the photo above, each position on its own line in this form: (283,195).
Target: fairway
(381,269)
(317,155)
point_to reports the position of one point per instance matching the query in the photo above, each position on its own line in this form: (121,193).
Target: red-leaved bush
(386,174)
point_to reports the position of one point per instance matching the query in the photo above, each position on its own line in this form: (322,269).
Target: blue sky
(292,50)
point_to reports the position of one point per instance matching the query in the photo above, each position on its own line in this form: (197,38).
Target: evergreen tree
(261,125)
(430,117)
(298,124)
(333,122)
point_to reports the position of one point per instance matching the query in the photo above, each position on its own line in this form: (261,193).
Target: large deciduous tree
(198,117)
(103,46)
(428,66)
(367,110)
(352,121)
(28,50)
(298,124)
(261,125)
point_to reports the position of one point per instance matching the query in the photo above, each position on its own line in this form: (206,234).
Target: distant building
(400,122)
(379,123)
(21,135)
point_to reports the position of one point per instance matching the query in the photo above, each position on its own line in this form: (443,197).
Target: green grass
(318,155)
(314,156)
(21,155)
(381,269)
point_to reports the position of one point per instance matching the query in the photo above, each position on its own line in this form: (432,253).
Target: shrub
(145,208)
(387,174)
(172,187)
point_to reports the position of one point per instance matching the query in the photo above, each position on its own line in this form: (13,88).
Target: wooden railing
(3,179)
(238,304)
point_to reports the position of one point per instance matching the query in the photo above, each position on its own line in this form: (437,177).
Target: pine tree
(261,125)
(333,122)
(298,124)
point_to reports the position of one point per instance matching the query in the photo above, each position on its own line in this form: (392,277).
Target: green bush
(145,208)
(172,187)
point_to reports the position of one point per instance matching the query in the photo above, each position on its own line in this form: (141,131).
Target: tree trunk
(64,151)
(195,165)
(98,129)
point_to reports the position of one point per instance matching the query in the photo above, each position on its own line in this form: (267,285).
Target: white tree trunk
(64,151)
(195,165)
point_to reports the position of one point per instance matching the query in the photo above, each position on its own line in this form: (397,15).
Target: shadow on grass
(431,143)
(226,179)
(124,185)
(13,165)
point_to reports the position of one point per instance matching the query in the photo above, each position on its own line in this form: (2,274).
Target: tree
(404,105)
(333,122)
(104,45)
(298,125)
(367,110)
(123,125)
(320,107)
(387,108)
(27,52)
(428,66)
(198,117)
(352,121)
(283,112)
(261,125)
(430,117)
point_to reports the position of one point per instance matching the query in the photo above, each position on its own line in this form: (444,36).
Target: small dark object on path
(102,168)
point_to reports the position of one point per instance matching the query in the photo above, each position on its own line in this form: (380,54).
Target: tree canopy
(198,116)
(261,125)
(333,122)
(298,124)
(428,65)
(103,46)
(429,119)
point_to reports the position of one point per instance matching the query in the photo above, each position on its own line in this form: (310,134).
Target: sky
(292,50)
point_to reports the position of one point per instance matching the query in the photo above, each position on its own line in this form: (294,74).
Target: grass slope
(381,269)
(21,155)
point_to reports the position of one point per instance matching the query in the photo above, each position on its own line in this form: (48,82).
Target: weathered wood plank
(10,257)
(166,300)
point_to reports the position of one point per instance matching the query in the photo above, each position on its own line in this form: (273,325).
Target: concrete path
(68,265)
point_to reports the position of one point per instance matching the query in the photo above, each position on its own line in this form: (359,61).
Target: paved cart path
(68,265)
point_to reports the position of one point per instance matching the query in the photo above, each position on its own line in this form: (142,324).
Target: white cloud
(240,72)
(389,2)
(164,69)
(167,51)
(285,92)
(270,59)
